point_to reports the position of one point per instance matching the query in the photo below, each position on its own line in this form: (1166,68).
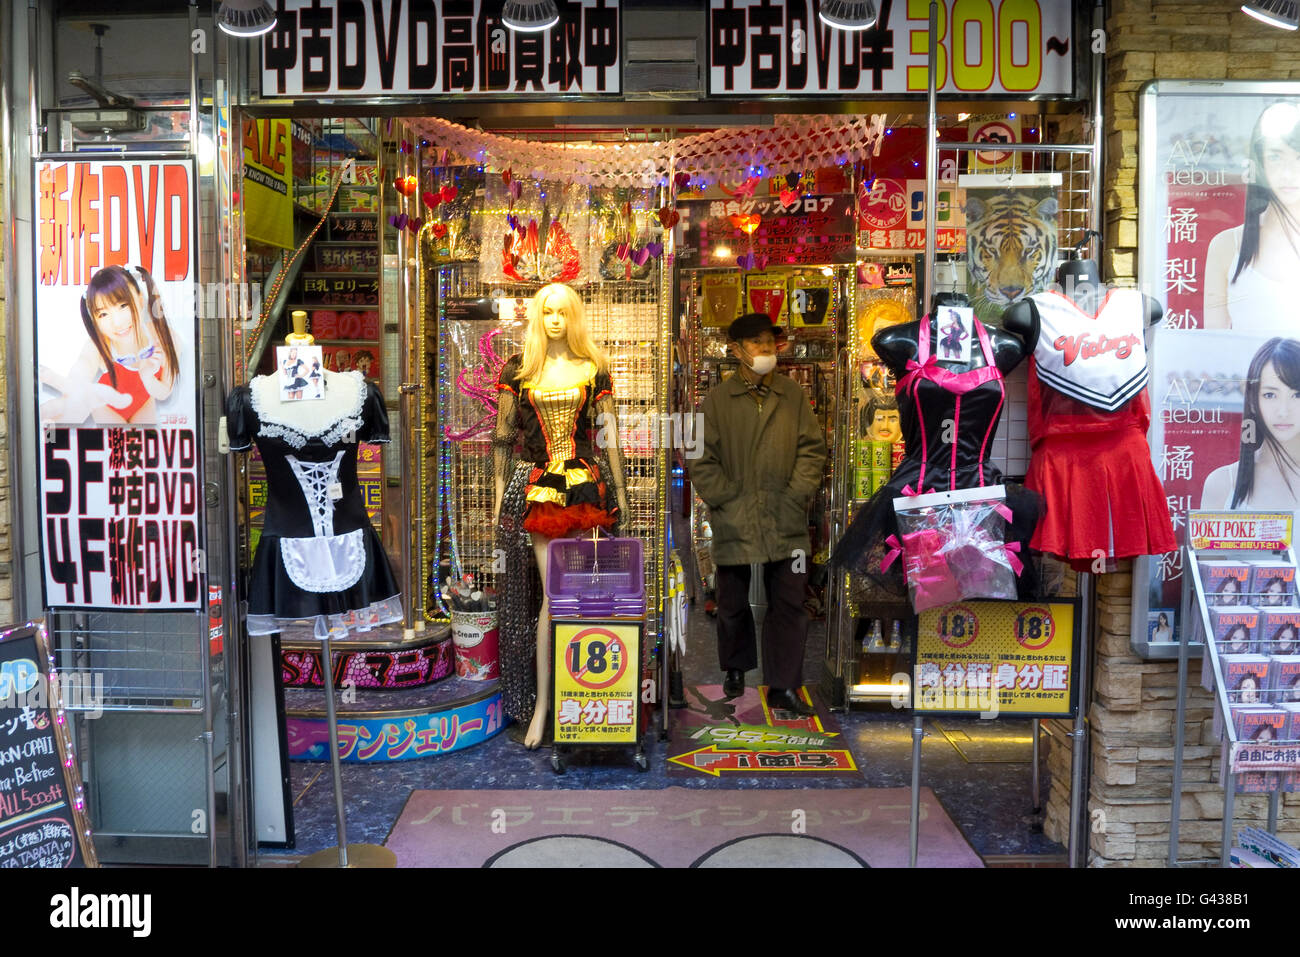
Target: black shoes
(733,685)
(783,699)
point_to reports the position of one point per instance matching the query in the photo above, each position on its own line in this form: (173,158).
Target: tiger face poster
(120,437)
(1011,241)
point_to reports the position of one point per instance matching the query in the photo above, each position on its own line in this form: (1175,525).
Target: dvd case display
(1236,629)
(1272,582)
(1225,582)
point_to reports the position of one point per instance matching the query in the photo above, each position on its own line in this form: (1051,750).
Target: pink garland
(481,384)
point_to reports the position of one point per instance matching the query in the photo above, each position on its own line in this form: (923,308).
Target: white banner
(120,445)
(996,46)
(329,48)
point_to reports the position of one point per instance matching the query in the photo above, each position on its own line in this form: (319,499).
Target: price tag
(336,491)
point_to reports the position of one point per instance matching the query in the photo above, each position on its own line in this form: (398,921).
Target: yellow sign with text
(993,657)
(268,182)
(597,679)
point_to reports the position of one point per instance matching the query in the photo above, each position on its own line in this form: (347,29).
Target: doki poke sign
(597,665)
(1251,531)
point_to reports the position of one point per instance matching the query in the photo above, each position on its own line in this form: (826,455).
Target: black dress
(319,556)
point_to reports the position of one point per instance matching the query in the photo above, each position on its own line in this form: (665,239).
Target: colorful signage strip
(1249,531)
(780,47)
(991,657)
(120,437)
(396,738)
(335,48)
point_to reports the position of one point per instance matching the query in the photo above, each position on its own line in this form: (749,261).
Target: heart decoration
(406,185)
(405,147)
(745,189)
(414,224)
(439,229)
(747,262)
(641,256)
(512,221)
(669,217)
(623,251)
(681,181)
(655,249)
(792,180)
(789,197)
(392,221)
(507,176)
(448,193)
(746,224)
(399,221)
(430,199)
(516,190)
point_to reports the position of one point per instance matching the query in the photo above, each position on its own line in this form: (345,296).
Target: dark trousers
(785,626)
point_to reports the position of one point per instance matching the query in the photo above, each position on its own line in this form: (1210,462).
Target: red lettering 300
(1074,346)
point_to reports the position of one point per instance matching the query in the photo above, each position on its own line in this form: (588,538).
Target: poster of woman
(1219,239)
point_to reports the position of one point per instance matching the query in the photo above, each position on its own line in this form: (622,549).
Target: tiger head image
(1011,248)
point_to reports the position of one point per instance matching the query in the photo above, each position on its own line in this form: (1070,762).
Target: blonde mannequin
(558,394)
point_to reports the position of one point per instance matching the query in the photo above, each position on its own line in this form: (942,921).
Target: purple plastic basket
(595,578)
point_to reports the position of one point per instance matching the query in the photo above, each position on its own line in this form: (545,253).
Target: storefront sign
(992,657)
(597,680)
(268,182)
(1260,756)
(42,806)
(377,668)
(780,47)
(814,231)
(120,439)
(1252,531)
(354,228)
(404,738)
(346,257)
(1228,348)
(337,48)
(338,291)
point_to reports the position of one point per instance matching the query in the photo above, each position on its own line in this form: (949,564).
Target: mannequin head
(556,315)
(882,417)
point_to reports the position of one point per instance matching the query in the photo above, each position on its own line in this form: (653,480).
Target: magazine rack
(1195,611)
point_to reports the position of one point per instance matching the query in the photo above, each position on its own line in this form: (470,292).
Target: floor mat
(989,742)
(721,736)
(673,827)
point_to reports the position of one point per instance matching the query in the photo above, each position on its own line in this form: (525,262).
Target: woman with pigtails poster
(121,441)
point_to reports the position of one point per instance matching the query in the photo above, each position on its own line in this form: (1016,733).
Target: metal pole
(327,669)
(1229,792)
(918,732)
(1098,76)
(1079,735)
(1035,784)
(1176,792)
(931,150)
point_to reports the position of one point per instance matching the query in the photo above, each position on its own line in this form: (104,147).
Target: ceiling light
(245,18)
(1276,13)
(530,15)
(848,14)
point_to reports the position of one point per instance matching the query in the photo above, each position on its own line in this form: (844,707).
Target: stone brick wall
(1132,711)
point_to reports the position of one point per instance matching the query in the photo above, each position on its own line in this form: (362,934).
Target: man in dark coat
(762,460)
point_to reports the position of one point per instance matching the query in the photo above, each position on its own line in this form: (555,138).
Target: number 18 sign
(597,676)
(991,657)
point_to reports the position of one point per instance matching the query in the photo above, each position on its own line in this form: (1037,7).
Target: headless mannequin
(561,370)
(897,344)
(1080,280)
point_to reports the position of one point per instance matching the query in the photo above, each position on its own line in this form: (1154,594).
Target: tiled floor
(989,801)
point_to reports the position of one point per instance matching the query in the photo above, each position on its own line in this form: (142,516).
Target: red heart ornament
(448,193)
(430,199)
(439,229)
(507,176)
(746,224)
(669,217)
(789,197)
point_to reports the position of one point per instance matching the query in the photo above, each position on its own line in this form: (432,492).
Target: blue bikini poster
(119,432)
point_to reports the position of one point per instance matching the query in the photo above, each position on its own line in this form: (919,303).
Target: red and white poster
(1220,247)
(120,440)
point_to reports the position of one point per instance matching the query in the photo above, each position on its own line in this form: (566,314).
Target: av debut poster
(1217,168)
(120,439)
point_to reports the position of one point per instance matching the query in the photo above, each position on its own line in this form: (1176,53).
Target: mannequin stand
(344,854)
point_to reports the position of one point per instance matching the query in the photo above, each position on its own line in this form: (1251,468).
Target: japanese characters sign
(597,680)
(815,230)
(1252,531)
(1214,176)
(326,290)
(418,47)
(780,47)
(996,657)
(42,808)
(120,441)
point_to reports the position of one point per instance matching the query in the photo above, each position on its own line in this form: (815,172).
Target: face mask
(762,365)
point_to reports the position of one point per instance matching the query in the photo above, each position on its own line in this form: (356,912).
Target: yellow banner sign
(268,182)
(992,657)
(1250,531)
(597,672)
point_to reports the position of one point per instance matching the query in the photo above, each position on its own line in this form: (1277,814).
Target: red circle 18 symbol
(596,658)
(958,626)
(1035,628)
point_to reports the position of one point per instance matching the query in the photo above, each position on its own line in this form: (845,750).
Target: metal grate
(152,661)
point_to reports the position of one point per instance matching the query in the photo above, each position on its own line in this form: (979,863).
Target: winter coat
(758,470)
